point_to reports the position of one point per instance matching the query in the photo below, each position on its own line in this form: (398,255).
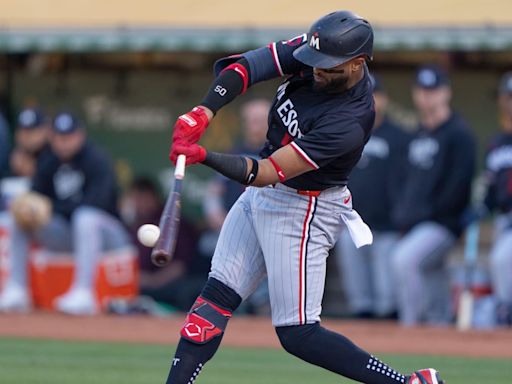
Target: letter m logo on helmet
(315,41)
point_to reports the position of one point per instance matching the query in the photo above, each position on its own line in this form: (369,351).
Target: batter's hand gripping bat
(465,307)
(163,250)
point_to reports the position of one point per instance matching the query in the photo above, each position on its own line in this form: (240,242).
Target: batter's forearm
(232,166)
(245,170)
(230,83)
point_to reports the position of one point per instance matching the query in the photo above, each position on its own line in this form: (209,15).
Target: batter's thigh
(296,233)
(238,259)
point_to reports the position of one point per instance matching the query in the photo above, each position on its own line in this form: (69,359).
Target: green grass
(25,361)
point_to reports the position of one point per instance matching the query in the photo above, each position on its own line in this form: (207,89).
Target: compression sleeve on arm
(231,82)
(233,167)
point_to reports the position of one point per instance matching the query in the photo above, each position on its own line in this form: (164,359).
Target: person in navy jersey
(498,198)
(366,273)
(296,201)
(434,195)
(30,141)
(5,146)
(79,180)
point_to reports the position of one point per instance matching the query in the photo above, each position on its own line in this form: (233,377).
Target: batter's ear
(357,64)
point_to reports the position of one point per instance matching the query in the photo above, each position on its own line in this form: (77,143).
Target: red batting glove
(190,126)
(194,152)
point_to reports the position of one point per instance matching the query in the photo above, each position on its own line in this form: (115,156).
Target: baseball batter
(289,217)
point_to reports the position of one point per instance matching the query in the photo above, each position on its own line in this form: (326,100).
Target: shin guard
(204,322)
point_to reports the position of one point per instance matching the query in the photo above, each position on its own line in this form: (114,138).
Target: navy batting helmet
(335,39)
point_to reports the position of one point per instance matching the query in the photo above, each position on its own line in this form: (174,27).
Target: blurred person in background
(78,181)
(30,140)
(179,282)
(223,192)
(498,198)
(434,193)
(366,272)
(5,146)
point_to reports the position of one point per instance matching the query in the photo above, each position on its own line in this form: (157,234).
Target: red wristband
(278,169)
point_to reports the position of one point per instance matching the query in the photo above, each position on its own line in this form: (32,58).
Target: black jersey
(498,167)
(376,180)
(439,171)
(329,130)
(88,179)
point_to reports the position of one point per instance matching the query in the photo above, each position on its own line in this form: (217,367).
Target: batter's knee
(209,315)
(294,338)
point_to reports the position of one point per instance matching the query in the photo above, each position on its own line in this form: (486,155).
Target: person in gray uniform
(79,180)
(366,272)
(297,200)
(5,146)
(433,196)
(498,178)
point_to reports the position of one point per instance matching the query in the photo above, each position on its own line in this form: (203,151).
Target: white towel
(359,231)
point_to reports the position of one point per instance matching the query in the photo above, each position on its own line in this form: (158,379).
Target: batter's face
(336,79)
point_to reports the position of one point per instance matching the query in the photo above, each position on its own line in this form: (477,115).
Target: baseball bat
(466,299)
(170,219)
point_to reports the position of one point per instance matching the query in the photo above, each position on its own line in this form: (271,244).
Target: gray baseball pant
(89,232)
(286,236)
(501,259)
(422,279)
(366,273)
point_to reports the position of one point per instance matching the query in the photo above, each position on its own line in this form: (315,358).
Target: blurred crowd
(414,188)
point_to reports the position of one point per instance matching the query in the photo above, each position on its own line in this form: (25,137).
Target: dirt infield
(258,332)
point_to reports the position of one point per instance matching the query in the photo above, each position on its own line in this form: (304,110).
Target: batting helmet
(335,39)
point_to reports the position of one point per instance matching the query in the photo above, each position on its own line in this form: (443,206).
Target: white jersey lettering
(288,116)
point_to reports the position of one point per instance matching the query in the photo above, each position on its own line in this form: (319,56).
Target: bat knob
(159,258)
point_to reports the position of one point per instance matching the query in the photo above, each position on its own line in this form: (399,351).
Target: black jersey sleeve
(42,181)
(489,179)
(331,137)
(100,186)
(498,174)
(265,63)
(458,175)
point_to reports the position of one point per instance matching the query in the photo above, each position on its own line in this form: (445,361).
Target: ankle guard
(204,322)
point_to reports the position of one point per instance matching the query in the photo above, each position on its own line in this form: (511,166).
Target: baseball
(148,234)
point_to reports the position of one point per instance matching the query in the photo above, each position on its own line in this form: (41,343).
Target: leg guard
(204,322)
